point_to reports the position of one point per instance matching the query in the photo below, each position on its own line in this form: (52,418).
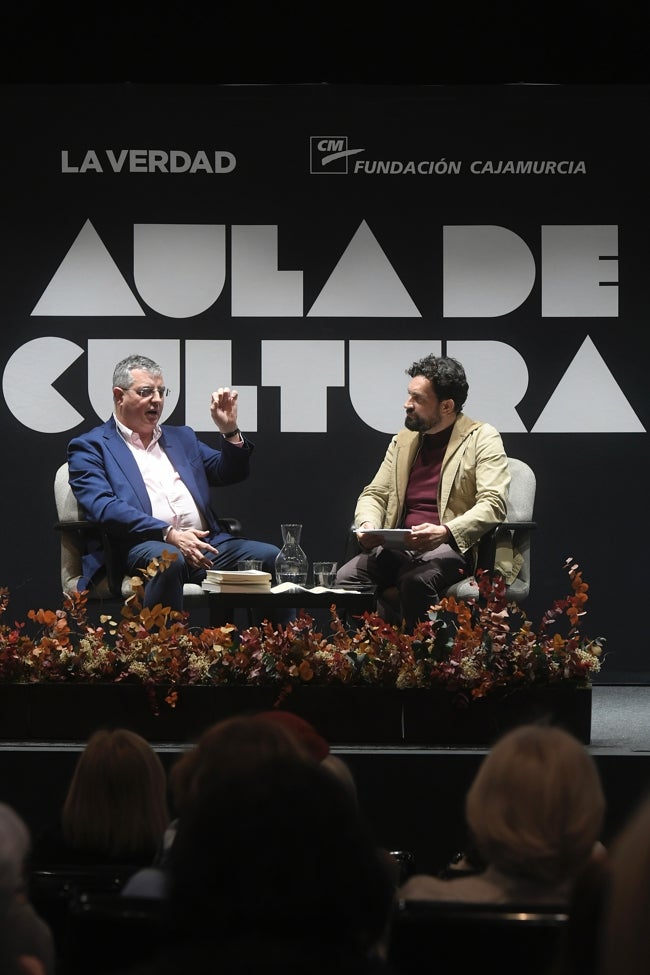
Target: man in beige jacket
(445,478)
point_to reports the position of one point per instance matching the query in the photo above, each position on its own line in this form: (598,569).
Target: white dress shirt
(170,499)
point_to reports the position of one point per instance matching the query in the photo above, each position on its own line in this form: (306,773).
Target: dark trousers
(166,587)
(417,580)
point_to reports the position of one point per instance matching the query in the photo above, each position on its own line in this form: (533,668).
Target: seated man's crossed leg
(408,584)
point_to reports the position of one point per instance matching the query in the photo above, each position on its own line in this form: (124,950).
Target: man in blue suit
(149,486)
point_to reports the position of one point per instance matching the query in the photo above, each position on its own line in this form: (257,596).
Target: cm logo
(329,153)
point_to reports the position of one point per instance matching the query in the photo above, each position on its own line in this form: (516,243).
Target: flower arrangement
(472,649)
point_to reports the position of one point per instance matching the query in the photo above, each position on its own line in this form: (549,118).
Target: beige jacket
(472,493)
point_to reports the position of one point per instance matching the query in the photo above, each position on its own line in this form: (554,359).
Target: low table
(223,604)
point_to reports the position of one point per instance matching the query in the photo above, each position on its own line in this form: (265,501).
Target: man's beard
(414,422)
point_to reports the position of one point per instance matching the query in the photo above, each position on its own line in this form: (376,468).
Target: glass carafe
(291,564)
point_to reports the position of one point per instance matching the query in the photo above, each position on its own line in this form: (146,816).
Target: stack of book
(251,580)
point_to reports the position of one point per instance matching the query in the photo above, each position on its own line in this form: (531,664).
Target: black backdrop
(290,42)
(372,269)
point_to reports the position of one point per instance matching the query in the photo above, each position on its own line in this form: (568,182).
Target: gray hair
(15,843)
(122,373)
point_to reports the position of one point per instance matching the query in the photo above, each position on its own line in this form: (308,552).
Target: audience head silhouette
(15,844)
(271,857)
(536,806)
(317,746)
(535,812)
(26,943)
(116,805)
(236,746)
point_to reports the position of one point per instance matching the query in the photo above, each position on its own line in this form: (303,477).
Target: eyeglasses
(146,392)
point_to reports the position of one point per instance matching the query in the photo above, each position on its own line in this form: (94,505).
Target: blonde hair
(536,806)
(116,804)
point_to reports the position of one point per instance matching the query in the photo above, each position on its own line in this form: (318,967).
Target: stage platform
(412,796)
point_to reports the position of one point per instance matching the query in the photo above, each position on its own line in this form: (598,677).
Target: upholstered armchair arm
(78,532)
(232,525)
(72,526)
(487,547)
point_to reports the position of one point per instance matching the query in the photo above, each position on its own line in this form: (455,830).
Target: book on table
(248,580)
(235,587)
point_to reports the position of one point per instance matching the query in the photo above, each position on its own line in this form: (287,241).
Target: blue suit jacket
(108,485)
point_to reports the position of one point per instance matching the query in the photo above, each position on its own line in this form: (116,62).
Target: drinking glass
(325,574)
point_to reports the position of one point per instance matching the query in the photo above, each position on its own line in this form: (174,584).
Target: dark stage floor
(620,719)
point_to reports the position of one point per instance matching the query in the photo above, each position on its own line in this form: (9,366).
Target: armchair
(76,532)
(514,532)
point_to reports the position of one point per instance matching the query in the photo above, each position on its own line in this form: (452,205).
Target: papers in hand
(249,580)
(388,537)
